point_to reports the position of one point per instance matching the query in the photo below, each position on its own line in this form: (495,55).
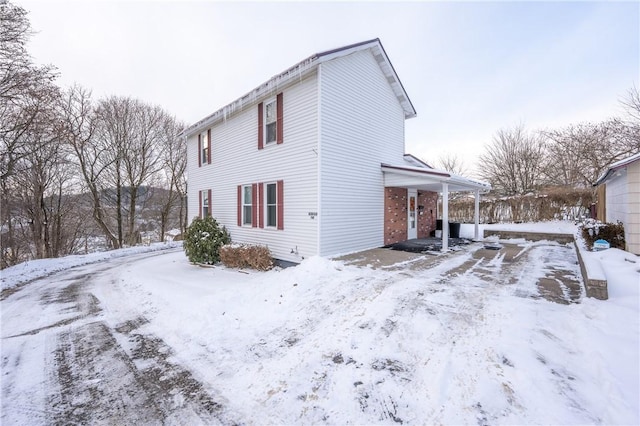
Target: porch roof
(429,179)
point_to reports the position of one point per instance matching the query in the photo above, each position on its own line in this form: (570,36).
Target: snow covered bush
(246,256)
(593,230)
(203,240)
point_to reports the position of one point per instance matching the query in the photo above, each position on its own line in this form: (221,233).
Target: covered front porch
(419,182)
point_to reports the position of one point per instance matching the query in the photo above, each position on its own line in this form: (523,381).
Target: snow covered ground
(326,342)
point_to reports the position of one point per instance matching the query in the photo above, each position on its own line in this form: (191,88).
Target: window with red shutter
(271,121)
(274,206)
(204,143)
(247,200)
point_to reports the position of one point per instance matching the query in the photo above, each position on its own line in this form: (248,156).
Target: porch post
(445,216)
(476,216)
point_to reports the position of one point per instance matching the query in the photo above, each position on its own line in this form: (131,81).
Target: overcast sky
(469,68)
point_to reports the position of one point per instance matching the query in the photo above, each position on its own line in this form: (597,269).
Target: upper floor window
(270,121)
(205,147)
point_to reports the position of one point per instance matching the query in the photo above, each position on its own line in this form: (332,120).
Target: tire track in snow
(92,373)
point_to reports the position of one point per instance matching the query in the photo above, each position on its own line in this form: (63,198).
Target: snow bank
(33,269)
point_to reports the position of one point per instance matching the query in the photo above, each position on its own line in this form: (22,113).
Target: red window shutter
(261,205)
(209,149)
(254,205)
(239,205)
(200,204)
(279,119)
(280,201)
(210,204)
(260,126)
(199,150)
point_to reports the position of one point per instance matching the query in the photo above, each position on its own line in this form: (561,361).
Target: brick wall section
(395,215)
(427,220)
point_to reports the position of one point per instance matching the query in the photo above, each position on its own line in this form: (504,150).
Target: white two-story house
(312,162)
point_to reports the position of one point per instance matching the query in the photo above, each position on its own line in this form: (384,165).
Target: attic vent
(379,58)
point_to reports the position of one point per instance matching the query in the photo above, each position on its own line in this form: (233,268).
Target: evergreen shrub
(203,240)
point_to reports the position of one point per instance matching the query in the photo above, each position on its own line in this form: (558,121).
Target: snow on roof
(415,161)
(301,69)
(617,166)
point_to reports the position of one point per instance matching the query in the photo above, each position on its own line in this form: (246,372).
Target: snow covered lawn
(325,342)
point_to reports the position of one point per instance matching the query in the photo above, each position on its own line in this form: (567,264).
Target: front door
(412,217)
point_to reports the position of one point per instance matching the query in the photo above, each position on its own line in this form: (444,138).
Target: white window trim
(204,195)
(273,101)
(204,136)
(266,205)
(244,219)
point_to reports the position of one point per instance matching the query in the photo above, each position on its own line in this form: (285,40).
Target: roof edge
(617,166)
(298,70)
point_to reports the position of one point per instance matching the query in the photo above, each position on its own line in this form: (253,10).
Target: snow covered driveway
(66,360)
(469,340)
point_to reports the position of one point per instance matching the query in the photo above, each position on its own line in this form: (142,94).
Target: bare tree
(93,158)
(453,164)
(514,161)
(135,134)
(43,220)
(631,104)
(579,154)
(174,162)
(24,88)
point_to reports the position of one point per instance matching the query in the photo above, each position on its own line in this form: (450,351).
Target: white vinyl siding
(236,160)
(623,203)
(617,199)
(632,227)
(362,125)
